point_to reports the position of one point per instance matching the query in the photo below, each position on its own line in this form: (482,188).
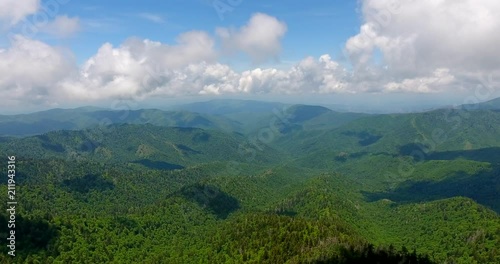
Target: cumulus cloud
(30,70)
(260,38)
(418,38)
(310,75)
(61,26)
(425,47)
(439,80)
(138,67)
(13,11)
(124,73)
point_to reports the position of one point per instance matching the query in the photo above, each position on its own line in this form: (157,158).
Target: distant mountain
(248,110)
(488,105)
(439,130)
(170,147)
(231,106)
(288,118)
(87,117)
(244,116)
(314,117)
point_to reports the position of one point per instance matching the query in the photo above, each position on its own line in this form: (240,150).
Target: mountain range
(230,181)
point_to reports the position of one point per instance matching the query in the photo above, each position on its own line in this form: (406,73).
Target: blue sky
(328,23)
(65,53)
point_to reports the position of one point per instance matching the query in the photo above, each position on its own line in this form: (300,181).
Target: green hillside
(148,145)
(439,130)
(488,105)
(327,187)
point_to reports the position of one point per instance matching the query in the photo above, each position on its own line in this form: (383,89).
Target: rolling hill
(88,117)
(493,104)
(148,145)
(326,187)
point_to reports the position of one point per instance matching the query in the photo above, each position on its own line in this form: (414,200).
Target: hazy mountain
(231,106)
(81,118)
(226,115)
(489,105)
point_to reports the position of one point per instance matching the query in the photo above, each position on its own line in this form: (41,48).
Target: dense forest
(254,182)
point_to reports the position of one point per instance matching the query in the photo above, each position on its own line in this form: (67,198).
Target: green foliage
(148,145)
(329,188)
(456,230)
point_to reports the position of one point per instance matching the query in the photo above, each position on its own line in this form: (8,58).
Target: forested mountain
(225,115)
(230,106)
(128,143)
(89,117)
(488,105)
(292,184)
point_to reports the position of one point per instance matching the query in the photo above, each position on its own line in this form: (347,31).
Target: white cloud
(13,11)
(417,38)
(138,67)
(61,26)
(422,51)
(310,75)
(127,72)
(30,71)
(440,79)
(260,38)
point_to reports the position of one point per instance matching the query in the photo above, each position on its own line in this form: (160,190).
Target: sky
(69,53)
